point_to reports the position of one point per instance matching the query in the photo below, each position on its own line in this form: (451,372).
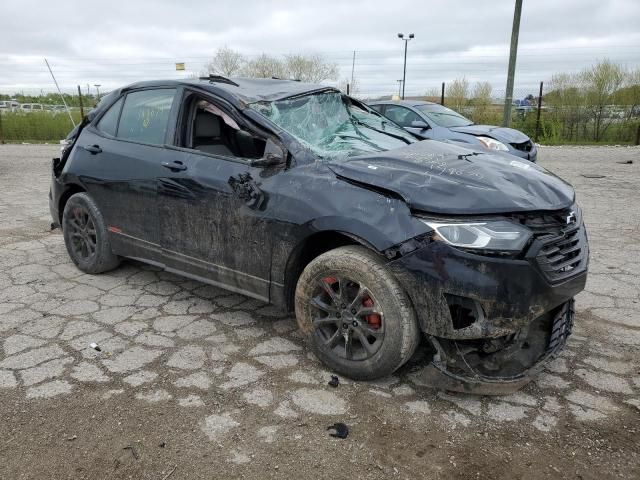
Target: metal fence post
(80,100)
(538,113)
(442,95)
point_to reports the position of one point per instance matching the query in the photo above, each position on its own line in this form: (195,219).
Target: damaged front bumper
(493,322)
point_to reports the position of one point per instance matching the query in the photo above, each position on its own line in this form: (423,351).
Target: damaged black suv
(298,195)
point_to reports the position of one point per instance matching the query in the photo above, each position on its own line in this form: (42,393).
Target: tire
(385,319)
(85,235)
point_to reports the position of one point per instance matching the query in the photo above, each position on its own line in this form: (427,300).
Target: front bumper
(493,322)
(440,373)
(531,155)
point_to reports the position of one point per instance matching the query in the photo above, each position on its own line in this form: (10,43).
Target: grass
(46,127)
(38,127)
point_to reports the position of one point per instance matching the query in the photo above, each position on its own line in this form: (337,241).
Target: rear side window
(145,116)
(109,122)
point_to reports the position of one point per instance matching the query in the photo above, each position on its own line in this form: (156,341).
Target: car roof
(242,90)
(406,103)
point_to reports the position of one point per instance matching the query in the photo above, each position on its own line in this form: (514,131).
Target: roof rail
(219,79)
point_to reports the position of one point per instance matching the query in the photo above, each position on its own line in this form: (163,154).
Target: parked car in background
(31,107)
(430,120)
(9,105)
(298,195)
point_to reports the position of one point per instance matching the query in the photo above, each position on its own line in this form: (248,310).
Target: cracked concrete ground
(206,381)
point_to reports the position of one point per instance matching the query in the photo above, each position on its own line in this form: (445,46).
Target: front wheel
(85,235)
(354,314)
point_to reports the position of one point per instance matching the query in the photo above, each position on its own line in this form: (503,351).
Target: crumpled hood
(505,135)
(442,178)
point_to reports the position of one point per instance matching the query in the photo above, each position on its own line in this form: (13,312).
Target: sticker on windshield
(521,165)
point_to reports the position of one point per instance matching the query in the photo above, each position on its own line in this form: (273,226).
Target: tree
(310,68)
(567,102)
(264,66)
(601,82)
(433,94)
(457,93)
(481,101)
(226,62)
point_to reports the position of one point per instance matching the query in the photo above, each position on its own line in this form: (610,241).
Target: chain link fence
(558,117)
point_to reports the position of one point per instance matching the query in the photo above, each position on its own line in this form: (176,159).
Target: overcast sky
(116,42)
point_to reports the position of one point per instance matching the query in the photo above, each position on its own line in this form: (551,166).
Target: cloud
(120,42)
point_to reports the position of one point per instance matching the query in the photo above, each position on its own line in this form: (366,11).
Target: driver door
(211,228)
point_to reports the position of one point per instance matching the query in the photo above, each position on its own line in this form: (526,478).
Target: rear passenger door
(124,152)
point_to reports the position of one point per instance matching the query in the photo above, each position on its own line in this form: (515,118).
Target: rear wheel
(85,235)
(354,314)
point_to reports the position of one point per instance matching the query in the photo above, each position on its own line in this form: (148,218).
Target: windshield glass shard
(332,126)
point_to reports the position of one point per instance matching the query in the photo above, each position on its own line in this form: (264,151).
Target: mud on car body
(298,195)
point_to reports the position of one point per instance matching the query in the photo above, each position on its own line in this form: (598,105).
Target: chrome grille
(560,254)
(560,247)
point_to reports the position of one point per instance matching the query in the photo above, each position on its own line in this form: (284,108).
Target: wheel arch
(308,249)
(71,189)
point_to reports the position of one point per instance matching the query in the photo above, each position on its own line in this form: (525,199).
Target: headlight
(493,144)
(499,235)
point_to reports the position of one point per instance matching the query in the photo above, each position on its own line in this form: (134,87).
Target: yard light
(404,74)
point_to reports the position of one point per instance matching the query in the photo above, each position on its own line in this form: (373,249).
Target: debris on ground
(95,346)
(334,381)
(72,438)
(170,472)
(625,162)
(341,430)
(134,452)
(592,175)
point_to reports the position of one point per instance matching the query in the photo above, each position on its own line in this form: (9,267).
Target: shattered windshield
(332,126)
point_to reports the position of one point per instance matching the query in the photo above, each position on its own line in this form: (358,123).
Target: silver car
(430,120)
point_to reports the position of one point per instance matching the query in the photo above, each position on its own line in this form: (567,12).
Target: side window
(216,133)
(377,108)
(145,116)
(109,122)
(401,115)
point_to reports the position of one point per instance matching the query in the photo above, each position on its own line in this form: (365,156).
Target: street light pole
(404,73)
(399,86)
(97,85)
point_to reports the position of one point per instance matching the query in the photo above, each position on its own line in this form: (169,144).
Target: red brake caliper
(373,319)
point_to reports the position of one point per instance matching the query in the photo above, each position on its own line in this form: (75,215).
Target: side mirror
(420,124)
(273,155)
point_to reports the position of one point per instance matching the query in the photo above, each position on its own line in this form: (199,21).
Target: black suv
(301,196)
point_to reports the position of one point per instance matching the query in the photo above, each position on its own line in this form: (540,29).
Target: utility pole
(404,74)
(513,53)
(353,66)
(442,95)
(97,85)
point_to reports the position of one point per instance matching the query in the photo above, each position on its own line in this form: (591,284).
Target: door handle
(176,166)
(93,149)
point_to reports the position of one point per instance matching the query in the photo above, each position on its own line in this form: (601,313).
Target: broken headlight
(491,235)
(493,144)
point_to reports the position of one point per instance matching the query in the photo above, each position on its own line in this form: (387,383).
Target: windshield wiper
(384,132)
